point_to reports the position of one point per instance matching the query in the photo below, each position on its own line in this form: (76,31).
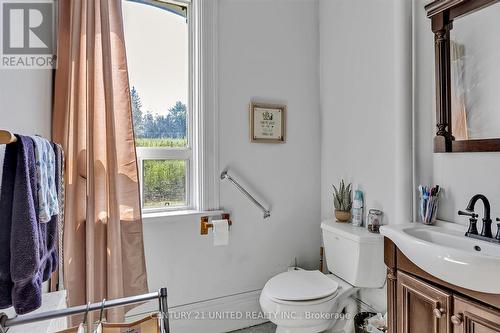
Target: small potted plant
(342,201)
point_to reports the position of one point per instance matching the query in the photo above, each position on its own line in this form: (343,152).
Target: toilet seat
(279,310)
(300,286)
(301,303)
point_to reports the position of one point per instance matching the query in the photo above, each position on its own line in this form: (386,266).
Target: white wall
(25,103)
(365,71)
(365,103)
(461,175)
(268,51)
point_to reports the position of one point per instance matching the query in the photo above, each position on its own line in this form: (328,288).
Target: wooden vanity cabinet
(421,306)
(469,317)
(421,303)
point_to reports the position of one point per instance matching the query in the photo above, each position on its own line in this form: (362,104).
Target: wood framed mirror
(467,74)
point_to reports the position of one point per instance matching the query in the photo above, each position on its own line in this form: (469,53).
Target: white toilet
(302,301)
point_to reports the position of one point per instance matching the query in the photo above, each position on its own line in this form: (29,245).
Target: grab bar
(161,295)
(225,175)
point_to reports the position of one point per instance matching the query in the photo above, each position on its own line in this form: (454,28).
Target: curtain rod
(6,322)
(7,137)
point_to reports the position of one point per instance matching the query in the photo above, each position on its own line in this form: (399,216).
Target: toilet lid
(300,286)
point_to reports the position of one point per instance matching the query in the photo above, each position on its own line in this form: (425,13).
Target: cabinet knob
(457,319)
(438,313)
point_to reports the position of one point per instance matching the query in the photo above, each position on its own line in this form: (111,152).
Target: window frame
(166,154)
(188,153)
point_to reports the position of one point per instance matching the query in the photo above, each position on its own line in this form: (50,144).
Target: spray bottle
(357,209)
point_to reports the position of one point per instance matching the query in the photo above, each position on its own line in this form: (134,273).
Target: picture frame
(267,123)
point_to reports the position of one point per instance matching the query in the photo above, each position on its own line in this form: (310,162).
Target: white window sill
(170,216)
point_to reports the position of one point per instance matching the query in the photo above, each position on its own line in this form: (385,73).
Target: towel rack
(7,137)
(225,175)
(161,295)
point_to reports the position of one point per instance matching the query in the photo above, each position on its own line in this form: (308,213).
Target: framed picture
(267,123)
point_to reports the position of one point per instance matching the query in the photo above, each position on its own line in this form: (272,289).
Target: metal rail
(225,175)
(161,295)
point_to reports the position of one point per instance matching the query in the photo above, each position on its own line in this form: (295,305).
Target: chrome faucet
(486,230)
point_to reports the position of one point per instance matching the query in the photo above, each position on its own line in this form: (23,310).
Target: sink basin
(446,253)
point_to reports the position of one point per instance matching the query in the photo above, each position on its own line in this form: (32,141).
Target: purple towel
(8,178)
(32,254)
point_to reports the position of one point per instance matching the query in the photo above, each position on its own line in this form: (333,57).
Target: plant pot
(342,216)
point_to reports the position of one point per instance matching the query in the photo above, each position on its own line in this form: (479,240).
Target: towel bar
(7,137)
(225,175)
(161,295)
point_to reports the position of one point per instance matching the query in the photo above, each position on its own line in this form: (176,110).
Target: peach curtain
(92,119)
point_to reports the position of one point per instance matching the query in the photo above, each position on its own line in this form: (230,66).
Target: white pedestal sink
(445,252)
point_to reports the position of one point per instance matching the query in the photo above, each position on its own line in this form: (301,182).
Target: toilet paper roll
(221,232)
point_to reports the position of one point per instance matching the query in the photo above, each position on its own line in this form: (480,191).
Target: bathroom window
(158,38)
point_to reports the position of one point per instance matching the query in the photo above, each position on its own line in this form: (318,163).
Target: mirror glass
(475,75)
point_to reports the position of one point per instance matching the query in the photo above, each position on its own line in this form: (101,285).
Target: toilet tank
(354,254)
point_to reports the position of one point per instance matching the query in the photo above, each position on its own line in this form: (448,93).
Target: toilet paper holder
(205,225)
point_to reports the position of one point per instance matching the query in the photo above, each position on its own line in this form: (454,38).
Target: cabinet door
(422,308)
(469,317)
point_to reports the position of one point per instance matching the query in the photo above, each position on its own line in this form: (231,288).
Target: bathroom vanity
(419,301)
